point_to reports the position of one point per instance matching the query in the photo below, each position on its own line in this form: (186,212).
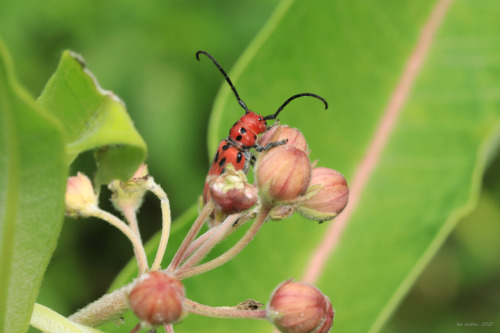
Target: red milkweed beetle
(235,149)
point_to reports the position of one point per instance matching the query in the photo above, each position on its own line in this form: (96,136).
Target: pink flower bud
(297,307)
(231,191)
(331,196)
(283,174)
(80,197)
(281,132)
(157,299)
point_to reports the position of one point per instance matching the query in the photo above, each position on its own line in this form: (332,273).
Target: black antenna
(242,104)
(273,116)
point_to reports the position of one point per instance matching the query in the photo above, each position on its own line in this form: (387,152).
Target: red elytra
(235,149)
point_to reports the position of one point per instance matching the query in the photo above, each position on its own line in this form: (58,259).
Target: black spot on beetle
(222,162)
(243,130)
(224,148)
(239,157)
(216,158)
(238,138)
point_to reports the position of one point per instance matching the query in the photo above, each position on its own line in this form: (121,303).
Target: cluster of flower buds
(297,307)
(287,179)
(157,299)
(285,182)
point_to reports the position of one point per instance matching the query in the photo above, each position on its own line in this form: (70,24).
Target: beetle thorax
(244,132)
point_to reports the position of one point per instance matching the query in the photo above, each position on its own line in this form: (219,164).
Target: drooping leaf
(93,118)
(32,180)
(427,174)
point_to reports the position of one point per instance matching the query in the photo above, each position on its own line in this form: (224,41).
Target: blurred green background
(145,53)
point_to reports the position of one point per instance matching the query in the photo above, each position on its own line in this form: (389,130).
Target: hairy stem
(222,312)
(107,308)
(166,221)
(129,213)
(203,238)
(193,232)
(231,253)
(219,232)
(142,260)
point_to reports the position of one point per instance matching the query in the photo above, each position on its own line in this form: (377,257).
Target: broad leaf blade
(93,118)
(429,172)
(32,181)
(428,175)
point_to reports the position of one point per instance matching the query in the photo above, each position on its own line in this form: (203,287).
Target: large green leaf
(427,174)
(93,118)
(32,180)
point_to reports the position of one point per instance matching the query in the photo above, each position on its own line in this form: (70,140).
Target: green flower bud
(129,194)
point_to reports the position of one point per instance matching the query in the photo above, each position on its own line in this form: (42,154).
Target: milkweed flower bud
(283,174)
(231,191)
(130,193)
(157,299)
(331,197)
(80,197)
(282,132)
(297,307)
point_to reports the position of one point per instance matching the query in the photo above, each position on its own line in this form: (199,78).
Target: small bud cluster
(287,179)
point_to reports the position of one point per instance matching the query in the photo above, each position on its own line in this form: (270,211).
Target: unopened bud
(231,191)
(330,198)
(80,197)
(157,299)
(297,307)
(283,174)
(282,132)
(130,193)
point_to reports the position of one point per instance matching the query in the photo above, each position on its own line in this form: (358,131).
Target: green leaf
(32,180)
(426,175)
(50,321)
(93,118)
(429,172)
